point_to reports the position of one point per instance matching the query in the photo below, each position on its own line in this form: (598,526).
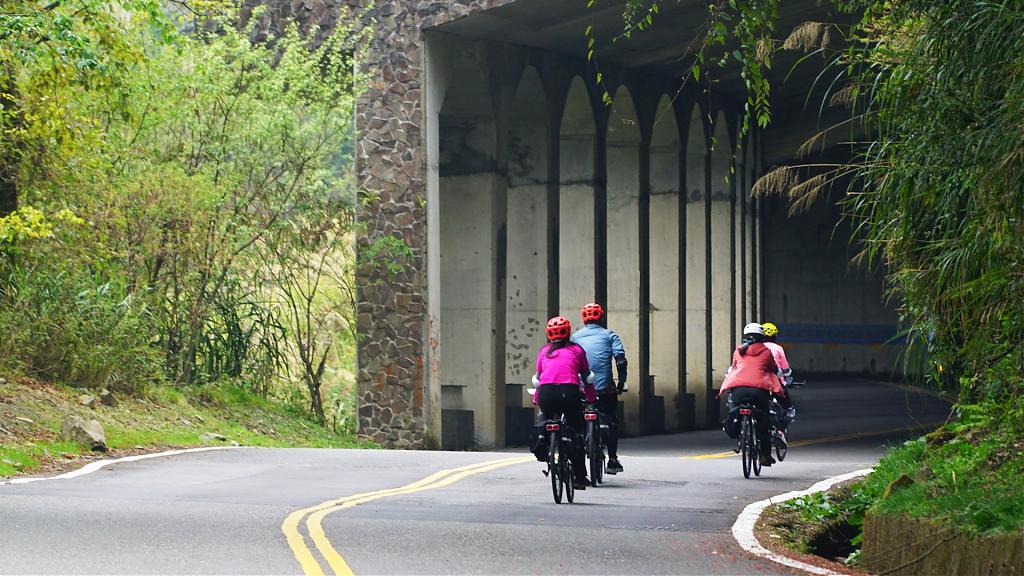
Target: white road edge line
(94,466)
(743,529)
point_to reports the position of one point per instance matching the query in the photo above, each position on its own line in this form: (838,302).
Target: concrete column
(504,68)
(601,208)
(648,420)
(556,91)
(664,238)
(697,374)
(742,193)
(527,300)
(683,113)
(754,238)
(722,335)
(751,172)
(709,296)
(576,261)
(473,207)
(760,234)
(624,182)
(734,245)
(436,74)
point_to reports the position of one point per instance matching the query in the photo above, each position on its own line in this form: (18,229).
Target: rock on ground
(89,433)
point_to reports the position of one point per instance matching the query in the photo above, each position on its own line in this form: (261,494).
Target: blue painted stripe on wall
(863,334)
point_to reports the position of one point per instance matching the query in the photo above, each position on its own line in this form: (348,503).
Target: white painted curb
(743,529)
(94,466)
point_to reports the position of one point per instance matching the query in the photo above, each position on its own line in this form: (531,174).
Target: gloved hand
(623,387)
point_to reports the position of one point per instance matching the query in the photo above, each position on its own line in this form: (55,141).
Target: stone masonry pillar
(393,396)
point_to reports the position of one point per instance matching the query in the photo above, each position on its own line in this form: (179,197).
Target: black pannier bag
(539,443)
(732,425)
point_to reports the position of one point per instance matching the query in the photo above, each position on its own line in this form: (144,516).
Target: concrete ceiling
(667,49)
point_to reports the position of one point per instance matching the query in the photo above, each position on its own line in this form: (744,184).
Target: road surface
(290,511)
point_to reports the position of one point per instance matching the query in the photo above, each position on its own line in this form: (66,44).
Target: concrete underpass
(537,198)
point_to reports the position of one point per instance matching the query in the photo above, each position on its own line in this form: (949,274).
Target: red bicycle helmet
(592,313)
(558,329)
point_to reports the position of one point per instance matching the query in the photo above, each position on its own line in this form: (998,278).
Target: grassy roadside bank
(31,414)
(966,476)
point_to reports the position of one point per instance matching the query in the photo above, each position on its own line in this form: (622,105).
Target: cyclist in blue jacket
(603,347)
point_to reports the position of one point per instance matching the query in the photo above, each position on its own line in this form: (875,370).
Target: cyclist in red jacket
(752,379)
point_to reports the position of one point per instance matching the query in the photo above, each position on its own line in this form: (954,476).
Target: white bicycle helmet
(753,328)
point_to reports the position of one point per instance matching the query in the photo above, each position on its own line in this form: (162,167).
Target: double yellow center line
(828,439)
(314,515)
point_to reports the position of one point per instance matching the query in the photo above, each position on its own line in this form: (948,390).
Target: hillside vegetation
(32,412)
(176,219)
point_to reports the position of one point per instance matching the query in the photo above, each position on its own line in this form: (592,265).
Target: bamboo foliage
(944,176)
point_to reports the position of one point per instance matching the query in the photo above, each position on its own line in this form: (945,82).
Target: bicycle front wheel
(746,447)
(756,452)
(781,447)
(594,452)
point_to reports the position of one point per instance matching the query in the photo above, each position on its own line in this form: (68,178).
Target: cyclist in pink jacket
(561,368)
(771,332)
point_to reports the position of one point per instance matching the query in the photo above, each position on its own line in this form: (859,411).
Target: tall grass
(76,329)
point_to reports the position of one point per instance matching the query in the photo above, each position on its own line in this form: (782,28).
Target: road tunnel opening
(547,189)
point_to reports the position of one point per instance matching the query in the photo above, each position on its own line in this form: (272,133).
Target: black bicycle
(775,432)
(595,444)
(750,446)
(559,465)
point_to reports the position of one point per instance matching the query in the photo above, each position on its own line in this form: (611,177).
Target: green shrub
(76,329)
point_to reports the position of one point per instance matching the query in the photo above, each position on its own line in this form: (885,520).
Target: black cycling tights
(608,406)
(555,399)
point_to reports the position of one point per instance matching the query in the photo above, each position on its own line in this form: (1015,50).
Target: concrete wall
(832,315)
(905,546)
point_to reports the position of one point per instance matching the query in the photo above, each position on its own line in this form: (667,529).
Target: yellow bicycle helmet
(770,329)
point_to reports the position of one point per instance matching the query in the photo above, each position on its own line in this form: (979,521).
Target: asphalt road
(228,511)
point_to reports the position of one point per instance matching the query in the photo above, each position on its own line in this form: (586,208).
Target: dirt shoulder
(786,531)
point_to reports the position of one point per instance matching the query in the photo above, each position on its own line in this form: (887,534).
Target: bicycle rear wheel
(567,476)
(745,447)
(594,452)
(553,468)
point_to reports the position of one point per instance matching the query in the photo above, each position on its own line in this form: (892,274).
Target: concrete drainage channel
(743,529)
